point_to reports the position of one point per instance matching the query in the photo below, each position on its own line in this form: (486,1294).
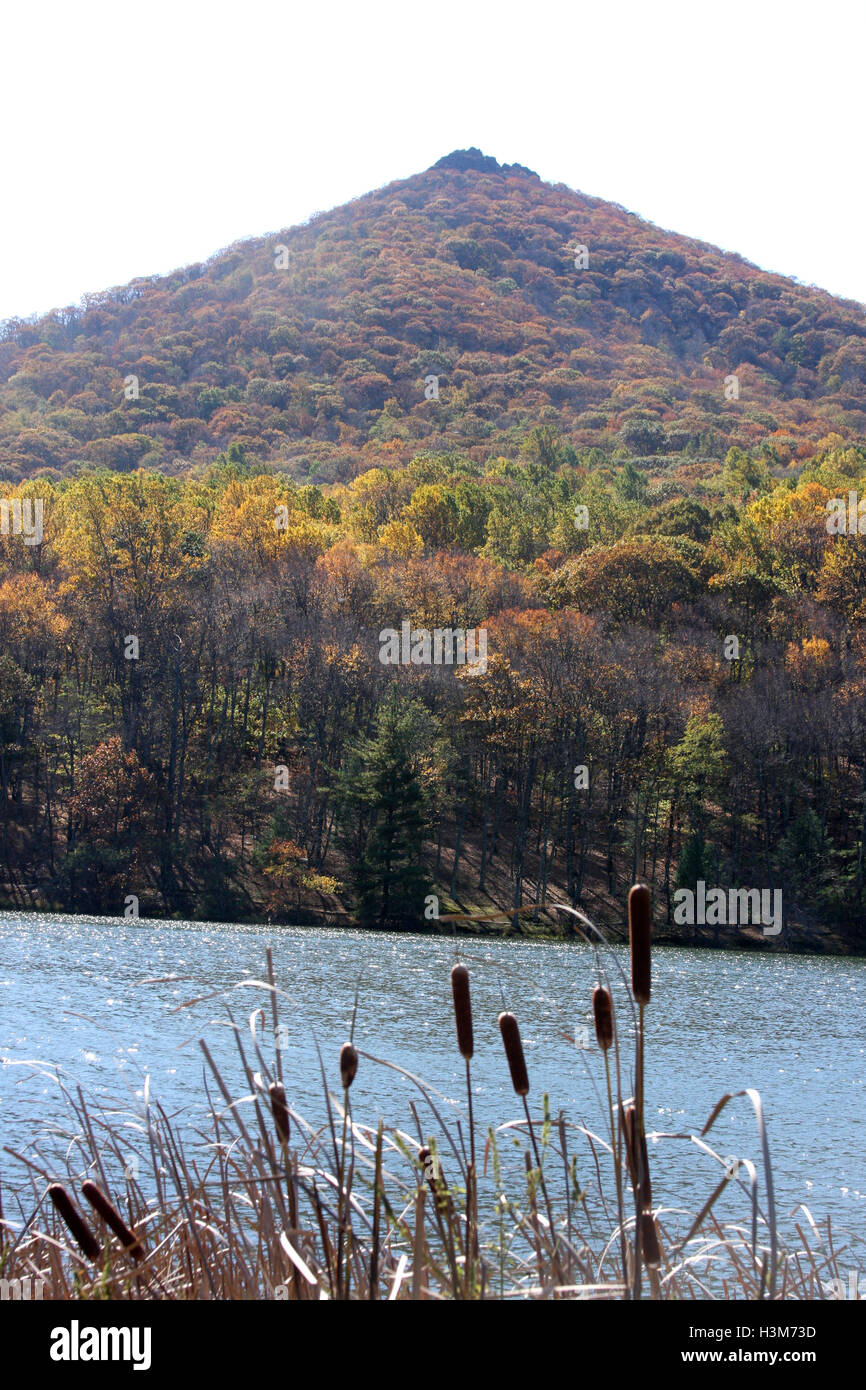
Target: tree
(107,816)
(697,861)
(542,446)
(634,580)
(681,517)
(643,435)
(742,475)
(289,875)
(631,484)
(699,766)
(383,805)
(842,582)
(433,514)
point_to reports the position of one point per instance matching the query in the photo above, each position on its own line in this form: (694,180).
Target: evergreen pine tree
(384,811)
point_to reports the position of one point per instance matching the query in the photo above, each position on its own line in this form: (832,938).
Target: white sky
(140,135)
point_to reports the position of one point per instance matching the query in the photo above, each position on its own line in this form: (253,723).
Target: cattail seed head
(462,1009)
(348,1064)
(636,1153)
(279,1110)
(431,1166)
(627,1113)
(78,1227)
(113,1219)
(432,1171)
(639,932)
(602,1009)
(646,1191)
(649,1240)
(514,1052)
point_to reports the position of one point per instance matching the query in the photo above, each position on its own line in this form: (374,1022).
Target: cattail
(280,1110)
(348,1064)
(431,1166)
(462,1009)
(112,1218)
(636,1154)
(646,1191)
(639,931)
(602,1008)
(436,1181)
(627,1113)
(514,1052)
(649,1240)
(87,1242)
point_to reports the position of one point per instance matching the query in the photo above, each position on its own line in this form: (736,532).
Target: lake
(92,996)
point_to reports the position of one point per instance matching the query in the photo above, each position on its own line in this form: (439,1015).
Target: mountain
(453,310)
(252,514)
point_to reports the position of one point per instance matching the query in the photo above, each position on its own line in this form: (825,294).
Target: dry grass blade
(758,1108)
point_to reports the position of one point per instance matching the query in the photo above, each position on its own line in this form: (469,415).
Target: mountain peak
(464,160)
(520,302)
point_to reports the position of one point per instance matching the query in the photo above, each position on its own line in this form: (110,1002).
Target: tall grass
(263,1204)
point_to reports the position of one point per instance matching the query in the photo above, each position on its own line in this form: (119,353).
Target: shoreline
(747,941)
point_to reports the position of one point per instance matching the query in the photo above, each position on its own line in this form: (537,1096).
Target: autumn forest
(473,402)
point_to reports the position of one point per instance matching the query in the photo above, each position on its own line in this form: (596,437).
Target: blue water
(100,999)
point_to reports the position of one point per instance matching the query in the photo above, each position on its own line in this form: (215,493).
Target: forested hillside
(531,304)
(469,401)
